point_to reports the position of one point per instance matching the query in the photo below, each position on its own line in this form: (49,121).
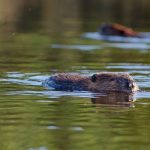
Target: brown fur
(105,81)
(118,29)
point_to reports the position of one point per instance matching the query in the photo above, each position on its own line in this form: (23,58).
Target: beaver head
(117,82)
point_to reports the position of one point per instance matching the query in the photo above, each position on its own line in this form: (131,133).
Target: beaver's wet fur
(99,82)
(115,29)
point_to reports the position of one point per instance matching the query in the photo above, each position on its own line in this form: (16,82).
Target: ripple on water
(35,80)
(98,36)
(30,112)
(126,46)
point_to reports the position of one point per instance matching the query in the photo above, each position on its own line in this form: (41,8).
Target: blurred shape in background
(70,16)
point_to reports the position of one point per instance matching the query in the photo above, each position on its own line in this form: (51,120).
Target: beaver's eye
(93,78)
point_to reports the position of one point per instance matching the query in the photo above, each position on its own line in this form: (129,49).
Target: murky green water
(33,117)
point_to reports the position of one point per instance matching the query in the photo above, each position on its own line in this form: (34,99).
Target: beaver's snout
(126,85)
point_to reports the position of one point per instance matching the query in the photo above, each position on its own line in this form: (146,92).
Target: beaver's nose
(135,87)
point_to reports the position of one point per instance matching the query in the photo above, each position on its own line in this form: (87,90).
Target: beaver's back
(67,81)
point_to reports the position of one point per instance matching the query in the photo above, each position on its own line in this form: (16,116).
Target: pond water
(33,117)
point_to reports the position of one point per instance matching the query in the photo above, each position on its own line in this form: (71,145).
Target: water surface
(34,117)
(40,42)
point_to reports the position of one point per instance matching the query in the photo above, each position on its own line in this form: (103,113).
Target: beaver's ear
(93,78)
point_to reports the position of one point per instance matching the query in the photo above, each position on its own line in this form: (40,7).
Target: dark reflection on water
(39,38)
(115,99)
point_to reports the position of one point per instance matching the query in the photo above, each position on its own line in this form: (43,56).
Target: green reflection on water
(32,121)
(66,122)
(40,56)
(70,123)
(29,121)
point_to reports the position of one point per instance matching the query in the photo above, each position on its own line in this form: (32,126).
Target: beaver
(115,29)
(98,82)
